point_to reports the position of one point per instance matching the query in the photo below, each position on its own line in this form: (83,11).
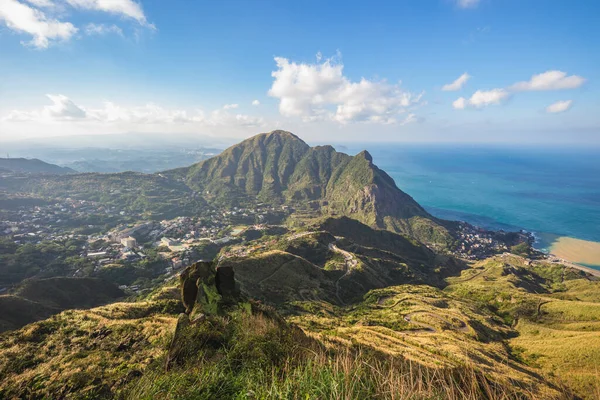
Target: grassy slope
(555,311)
(257,356)
(39,299)
(424,325)
(487,330)
(86,354)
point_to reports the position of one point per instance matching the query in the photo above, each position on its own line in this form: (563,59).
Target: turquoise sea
(549,191)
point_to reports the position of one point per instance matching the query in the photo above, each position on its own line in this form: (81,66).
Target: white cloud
(481,98)
(61,109)
(256,103)
(22,18)
(65,110)
(457,84)
(41,3)
(230,106)
(224,118)
(321,92)
(467,3)
(459,103)
(550,80)
(146,114)
(102,29)
(559,106)
(124,8)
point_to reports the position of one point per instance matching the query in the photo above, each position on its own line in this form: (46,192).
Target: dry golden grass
(557,328)
(572,356)
(84,352)
(425,326)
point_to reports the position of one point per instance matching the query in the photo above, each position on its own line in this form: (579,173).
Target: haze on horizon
(470,71)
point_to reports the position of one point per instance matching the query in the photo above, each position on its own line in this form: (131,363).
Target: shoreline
(577,251)
(567,263)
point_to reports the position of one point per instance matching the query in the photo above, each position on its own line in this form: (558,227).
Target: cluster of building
(477,243)
(123,248)
(58,220)
(32,224)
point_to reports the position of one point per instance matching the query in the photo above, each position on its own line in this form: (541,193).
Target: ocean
(552,192)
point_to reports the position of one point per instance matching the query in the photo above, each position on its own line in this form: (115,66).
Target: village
(131,239)
(475,243)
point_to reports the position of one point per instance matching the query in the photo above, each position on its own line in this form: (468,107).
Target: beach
(577,251)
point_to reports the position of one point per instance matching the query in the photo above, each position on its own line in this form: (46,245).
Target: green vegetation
(279,168)
(44,260)
(85,354)
(151,195)
(521,249)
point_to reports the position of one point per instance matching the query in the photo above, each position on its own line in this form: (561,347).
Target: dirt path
(425,327)
(302,234)
(351,262)
(383,299)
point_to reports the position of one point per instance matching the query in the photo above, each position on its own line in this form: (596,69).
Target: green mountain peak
(278,167)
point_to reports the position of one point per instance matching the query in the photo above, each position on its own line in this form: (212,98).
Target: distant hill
(32,166)
(39,299)
(279,168)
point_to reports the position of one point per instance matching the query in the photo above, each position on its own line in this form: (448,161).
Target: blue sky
(352,71)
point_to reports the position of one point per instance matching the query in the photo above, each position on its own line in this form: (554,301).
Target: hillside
(38,299)
(351,298)
(279,168)
(410,340)
(32,166)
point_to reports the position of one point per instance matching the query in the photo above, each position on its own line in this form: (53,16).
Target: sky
(458,71)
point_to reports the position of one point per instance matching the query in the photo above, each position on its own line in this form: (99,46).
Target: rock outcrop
(206,289)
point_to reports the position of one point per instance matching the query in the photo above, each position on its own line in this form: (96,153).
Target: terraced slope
(555,311)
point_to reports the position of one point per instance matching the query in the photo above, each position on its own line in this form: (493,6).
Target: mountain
(279,168)
(32,166)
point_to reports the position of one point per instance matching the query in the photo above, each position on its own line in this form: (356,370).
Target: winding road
(351,262)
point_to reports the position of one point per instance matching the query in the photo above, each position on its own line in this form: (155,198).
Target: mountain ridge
(32,166)
(280,168)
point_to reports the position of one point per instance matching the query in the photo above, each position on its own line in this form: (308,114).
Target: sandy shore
(577,250)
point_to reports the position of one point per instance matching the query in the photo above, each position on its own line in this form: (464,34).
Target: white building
(129,242)
(97,254)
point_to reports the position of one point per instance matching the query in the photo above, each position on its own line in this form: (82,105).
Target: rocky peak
(366,155)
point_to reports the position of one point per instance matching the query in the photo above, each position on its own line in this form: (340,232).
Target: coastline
(577,251)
